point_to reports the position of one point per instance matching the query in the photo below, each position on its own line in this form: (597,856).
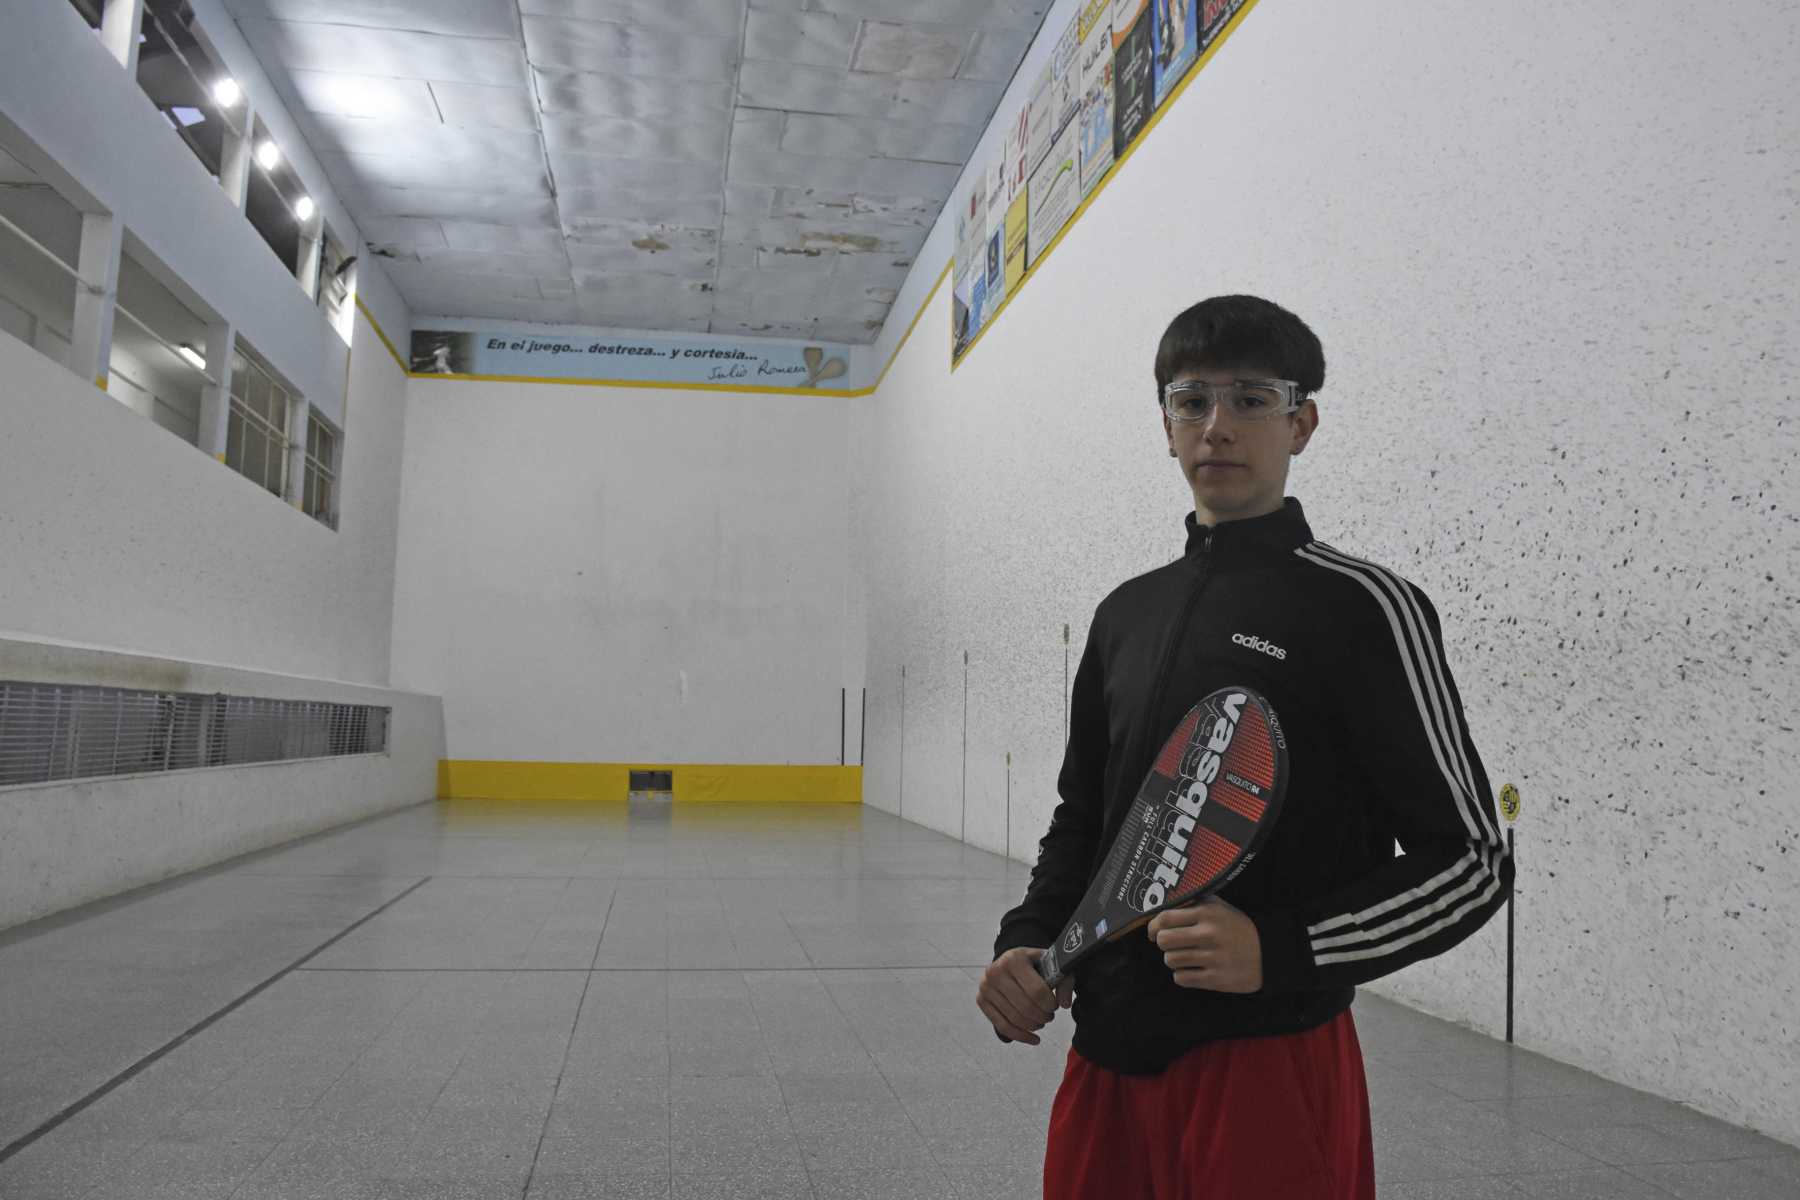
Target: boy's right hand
(1014,997)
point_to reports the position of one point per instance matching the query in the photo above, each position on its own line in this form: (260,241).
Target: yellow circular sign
(1509,802)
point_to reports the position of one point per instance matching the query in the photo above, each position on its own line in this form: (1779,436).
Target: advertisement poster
(1012,154)
(979,311)
(1055,191)
(1132,83)
(1124,15)
(1065,78)
(1213,16)
(1175,42)
(1096,117)
(1017,226)
(961,329)
(996,239)
(638,358)
(1041,121)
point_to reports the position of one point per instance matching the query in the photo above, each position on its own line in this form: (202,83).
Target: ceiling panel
(485,105)
(365,96)
(454,203)
(696,140)
(862,137)
(748,166)
(886,48)
(610,49)
(809,38)
(719,18)
(463,18)
(398,53)
(628,95)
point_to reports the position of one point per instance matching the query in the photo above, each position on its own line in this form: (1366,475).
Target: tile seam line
(26,1139)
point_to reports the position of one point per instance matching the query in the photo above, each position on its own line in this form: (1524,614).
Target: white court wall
(1551,259)
(115,533)
(617,574)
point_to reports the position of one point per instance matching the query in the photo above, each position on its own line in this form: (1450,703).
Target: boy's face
(1237,468)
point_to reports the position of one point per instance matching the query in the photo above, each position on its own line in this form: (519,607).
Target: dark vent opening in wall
(653,781)
(50,732)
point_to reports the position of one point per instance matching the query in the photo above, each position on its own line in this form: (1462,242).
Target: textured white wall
(113,533)
(591,574)
(1551,257)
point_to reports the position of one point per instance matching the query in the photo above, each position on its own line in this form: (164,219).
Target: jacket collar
(1278,532)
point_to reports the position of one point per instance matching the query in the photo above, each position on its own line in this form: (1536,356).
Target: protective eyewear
(1245,399)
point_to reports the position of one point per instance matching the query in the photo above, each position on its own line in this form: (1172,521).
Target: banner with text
(638,358)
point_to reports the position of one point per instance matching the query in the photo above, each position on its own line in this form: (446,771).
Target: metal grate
(59,731)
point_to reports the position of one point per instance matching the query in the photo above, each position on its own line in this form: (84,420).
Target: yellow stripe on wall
(479,779)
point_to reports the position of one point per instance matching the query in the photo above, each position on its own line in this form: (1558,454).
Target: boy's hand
(1211,945)
(1015,999)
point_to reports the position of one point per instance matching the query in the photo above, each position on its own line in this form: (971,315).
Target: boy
(1216,1056)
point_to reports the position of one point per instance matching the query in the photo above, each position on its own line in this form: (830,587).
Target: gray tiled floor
(470,1000)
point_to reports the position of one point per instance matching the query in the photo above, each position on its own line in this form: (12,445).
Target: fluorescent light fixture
(227,92)
(268,154)
(303,208)
(193,356)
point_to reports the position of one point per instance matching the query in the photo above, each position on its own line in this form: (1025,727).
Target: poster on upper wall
(548,353)
(1096,116)
(1042,117)
(979,312)
(1175,42)
(1132,82)
(960,329)
(1017,226)
(1065,77)
(1055,192)
(996,239)
(1013,149)
(1214,14)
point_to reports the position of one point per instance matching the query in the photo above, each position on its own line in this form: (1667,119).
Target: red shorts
(1270,1118)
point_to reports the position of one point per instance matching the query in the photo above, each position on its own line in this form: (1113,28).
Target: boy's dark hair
(1241,331)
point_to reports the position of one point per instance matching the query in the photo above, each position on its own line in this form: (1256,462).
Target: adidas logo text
(1256,643)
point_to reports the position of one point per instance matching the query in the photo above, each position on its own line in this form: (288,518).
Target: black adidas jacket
(1349,655)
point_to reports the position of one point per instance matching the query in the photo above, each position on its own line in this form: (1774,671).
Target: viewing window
(319,498)
(158,362)
(178,75)
(337,288)
(40,245)
(256,443)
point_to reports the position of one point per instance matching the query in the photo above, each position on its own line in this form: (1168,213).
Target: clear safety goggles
(1244,399)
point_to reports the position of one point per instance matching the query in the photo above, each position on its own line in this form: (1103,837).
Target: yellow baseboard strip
(710,783)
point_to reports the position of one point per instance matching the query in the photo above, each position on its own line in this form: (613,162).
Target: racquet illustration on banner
(1203,811)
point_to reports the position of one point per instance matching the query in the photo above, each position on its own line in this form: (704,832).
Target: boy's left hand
(1210,945)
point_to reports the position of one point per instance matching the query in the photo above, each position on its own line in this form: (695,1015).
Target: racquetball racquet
(1201,814)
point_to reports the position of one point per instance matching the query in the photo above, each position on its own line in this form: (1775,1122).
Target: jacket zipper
(1168,662)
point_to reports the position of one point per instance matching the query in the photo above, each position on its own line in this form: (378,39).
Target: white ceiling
(692,165)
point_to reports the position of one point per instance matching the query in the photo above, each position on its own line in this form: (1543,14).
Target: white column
(215,398)
(299,416)
(119,26)
(312,236)
(234,155)
(90,342)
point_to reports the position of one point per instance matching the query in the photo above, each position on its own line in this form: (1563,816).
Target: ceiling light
(193,356)
(268,154)
(303,208)
(227,92)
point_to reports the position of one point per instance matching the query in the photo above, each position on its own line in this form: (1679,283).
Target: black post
(843,715)
(862,733)
(1509,940)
